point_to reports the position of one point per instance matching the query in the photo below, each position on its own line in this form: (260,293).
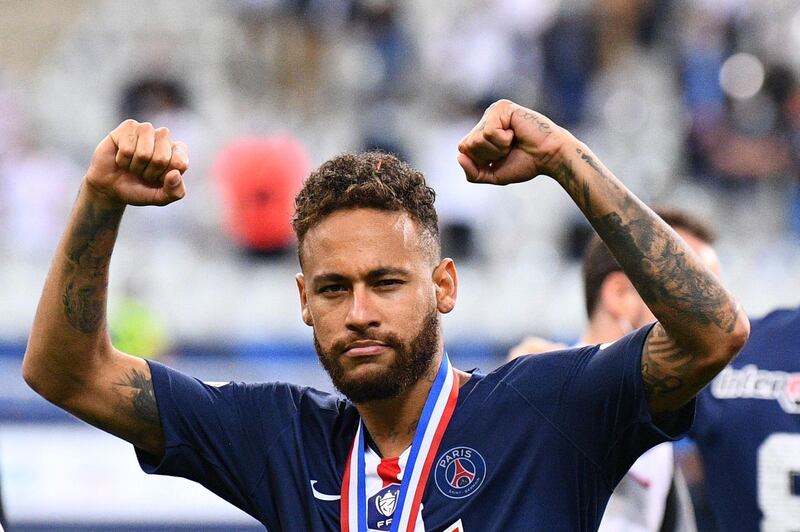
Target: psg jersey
(748,430)
(537,444)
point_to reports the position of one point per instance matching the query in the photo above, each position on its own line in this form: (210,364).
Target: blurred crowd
(691,102)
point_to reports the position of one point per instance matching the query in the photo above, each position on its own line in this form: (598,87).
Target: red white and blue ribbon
(436,414)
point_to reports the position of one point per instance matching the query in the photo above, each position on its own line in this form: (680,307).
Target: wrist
(99,198)
(562,156)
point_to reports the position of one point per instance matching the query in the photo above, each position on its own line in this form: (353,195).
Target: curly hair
(374,180)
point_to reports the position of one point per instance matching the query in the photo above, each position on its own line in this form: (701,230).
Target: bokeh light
(741,76)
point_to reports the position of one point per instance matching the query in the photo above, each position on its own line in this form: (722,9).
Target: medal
(436,414)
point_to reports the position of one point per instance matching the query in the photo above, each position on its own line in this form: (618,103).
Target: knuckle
(159,161)
(162,131)
(129,122)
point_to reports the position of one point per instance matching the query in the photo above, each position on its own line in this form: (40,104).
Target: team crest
(460,472)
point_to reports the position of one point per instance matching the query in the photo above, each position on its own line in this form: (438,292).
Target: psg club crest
(381,506)
(460,472)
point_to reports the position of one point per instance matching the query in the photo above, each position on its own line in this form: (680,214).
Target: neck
(605,328)
(392,423)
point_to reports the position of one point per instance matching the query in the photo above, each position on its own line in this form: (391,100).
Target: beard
(411,362)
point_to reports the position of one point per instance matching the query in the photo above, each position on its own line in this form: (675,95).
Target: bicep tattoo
(143,400)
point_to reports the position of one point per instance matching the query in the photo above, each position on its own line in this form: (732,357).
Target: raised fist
(137,164)
(511,144)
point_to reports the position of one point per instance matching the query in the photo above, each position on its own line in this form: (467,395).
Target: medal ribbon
(436,414)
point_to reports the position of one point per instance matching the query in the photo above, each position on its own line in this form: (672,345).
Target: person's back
(748,430)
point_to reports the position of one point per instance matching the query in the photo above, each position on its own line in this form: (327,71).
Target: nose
(363,313)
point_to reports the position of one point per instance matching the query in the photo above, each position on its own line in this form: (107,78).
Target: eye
(388,283)
(331,289)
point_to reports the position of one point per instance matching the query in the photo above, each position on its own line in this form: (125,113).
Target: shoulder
(773,340)
(252,396)
(592,370)
(543,372)
(785,318)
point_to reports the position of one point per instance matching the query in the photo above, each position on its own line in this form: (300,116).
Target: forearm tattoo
(89,253)
(674,285)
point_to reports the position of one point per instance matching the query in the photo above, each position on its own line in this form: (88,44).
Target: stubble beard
(412,361)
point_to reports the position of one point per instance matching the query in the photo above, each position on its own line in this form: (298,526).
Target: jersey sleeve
(221,435)
(595,396)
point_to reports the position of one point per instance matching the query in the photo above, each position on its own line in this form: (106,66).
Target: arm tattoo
(580,192)
(144,398)
(658,265)
(688,300)
(662,273)
(663,364)
(87,269)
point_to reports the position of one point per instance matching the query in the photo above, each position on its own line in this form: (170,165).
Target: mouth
(365,348)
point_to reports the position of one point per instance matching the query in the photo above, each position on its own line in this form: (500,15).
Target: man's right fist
(137,164)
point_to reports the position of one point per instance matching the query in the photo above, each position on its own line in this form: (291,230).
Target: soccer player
(748,430)
(650,497)
(414,444)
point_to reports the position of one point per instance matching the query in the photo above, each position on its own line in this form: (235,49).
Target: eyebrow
(373,275)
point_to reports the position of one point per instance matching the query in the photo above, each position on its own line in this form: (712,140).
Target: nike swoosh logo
(323,496)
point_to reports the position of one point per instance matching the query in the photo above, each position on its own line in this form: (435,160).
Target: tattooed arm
(70,360)
(701,327)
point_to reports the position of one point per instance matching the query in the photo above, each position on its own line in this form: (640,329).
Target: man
(415,445)
(650,497)
(748,431)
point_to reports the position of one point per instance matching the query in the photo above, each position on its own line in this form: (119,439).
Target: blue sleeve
(595,396)
(219,436)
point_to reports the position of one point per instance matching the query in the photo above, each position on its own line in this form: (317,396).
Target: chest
(505,472)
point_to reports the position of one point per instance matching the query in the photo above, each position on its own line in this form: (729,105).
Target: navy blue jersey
(748,430)
(536,445)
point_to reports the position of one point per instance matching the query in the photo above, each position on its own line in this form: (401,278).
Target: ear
(615,295)
(304,310)
(445,279)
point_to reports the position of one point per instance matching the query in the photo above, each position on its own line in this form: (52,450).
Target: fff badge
(460,472)
(381,507)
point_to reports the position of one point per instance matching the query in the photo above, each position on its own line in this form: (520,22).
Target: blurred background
(692,103)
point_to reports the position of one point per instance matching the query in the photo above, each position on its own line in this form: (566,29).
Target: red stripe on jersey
(389,470)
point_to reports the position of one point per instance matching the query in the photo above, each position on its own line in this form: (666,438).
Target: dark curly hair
(374,180)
